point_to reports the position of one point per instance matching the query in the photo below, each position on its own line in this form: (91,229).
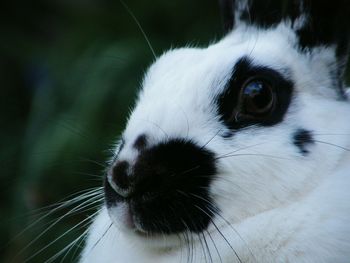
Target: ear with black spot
(260,13)
(317,23)
(227,13)
(327,24)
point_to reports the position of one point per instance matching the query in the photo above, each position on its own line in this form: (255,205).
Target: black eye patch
(272,93)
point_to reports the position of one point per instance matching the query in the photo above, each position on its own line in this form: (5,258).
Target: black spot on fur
(170,187)
(302,138)
(228,100)
(141,142)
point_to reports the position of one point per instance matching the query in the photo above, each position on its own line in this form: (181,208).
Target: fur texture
(281,191)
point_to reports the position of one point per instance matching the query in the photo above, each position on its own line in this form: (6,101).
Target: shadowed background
(69,72)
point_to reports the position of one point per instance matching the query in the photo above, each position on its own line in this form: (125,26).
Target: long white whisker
(241,149)
(58,206)
(74,210)
(67,248)
(140,27)
(73,244)
(58,238)
(253,154)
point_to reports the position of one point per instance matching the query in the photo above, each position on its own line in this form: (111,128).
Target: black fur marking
(111,197)
(269,13)
(264,14)
(302,138)
(170,188)
(227,12)
(227,134)
(119,173)
(141,142)
(327,23)
(228,100)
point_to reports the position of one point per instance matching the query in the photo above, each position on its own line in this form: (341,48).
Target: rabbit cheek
(166,190)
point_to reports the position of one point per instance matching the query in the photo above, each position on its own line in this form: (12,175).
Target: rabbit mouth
(165,192)
(124,217)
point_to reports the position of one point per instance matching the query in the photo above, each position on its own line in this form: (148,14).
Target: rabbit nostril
(141,142)
(119,175)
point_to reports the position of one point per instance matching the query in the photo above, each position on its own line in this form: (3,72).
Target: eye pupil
(258,97)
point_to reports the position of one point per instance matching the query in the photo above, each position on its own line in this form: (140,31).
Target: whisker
(59,237)
(68,248)
(237,233)
(60,205)
(212,138)
(74,210)
(216,248)
(202,246)
(95,176)
(331,134)
(155,125)
(207,247)
(253,154)
(241,149)
(103,165)
(332,144)
(103,235)
(215,211)
(222,235)
(140,27)
(187,121)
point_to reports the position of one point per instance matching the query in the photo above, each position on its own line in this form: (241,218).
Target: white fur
(283,206)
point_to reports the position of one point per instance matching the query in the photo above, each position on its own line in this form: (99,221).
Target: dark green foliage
(69,72)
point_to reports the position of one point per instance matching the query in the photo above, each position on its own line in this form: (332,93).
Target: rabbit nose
(170,176)
(120,179)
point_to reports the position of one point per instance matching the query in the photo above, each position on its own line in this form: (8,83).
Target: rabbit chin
(130,226)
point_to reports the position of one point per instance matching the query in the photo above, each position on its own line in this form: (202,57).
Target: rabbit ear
(227,8)
(317,23)
(260,13)
(327,24)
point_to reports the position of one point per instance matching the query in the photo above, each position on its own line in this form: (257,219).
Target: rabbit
(239,151)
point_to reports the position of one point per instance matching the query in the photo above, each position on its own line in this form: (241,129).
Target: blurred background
(69,73)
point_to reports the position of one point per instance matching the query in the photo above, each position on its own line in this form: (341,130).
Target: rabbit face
(226,132)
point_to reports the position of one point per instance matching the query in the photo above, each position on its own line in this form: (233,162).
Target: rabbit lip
(124,216)
(131,223)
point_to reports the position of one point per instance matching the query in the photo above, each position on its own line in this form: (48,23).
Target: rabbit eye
(254,95)
(257,98)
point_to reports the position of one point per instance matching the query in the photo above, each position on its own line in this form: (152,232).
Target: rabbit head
(236,128)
